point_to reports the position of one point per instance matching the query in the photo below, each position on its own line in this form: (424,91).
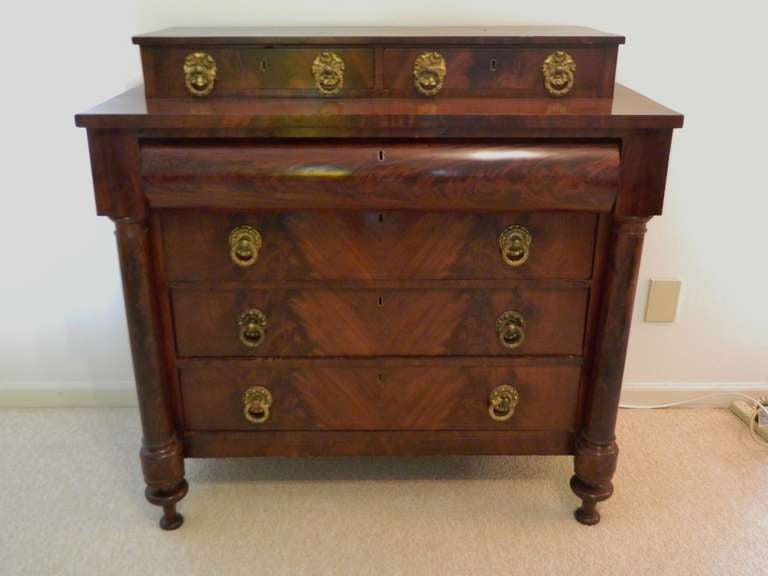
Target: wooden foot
(171,519)
(594,466)
(590,495)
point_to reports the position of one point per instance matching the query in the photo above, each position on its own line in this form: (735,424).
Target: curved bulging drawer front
(209,247)
(364,175)
(342,321)
(245,396)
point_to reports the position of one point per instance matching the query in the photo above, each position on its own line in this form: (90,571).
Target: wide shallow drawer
(501,71)
(369,397)
(362,175)
(379,321)
(242,71)
(376,245)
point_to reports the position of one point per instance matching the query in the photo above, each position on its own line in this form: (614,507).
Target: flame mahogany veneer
(377,213)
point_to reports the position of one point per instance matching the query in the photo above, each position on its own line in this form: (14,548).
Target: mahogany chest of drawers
(379,241)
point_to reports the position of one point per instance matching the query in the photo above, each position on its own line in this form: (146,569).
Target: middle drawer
(381,321)
(202,246)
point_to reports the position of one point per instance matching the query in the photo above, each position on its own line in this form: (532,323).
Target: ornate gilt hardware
(429,73)
(244,246)
(257,402)
(328,70)
(515,245)
(559,73)
(502,402)
(199,73)
(252,325)
(510,328)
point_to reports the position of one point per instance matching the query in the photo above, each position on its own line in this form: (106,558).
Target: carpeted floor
(690,499)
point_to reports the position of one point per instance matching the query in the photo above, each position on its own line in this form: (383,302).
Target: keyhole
(381,156)
(263,65)
(493,64)
(380,378)
(381,301)
(381,218)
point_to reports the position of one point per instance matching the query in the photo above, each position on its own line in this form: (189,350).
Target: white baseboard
(49,395)
(655,393)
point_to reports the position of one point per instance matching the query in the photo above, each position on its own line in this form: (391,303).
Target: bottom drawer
(365,395)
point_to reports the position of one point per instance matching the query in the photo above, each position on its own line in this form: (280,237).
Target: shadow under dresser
(363,241)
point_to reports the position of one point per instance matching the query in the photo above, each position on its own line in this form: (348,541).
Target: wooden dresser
(379,241)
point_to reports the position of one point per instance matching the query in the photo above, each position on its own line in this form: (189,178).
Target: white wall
(61,317)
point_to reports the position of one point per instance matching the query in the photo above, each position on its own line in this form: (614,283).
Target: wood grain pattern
(386,398)
(375,246)
(384,322)
(364,175)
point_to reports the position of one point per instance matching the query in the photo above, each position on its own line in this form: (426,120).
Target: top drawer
(360,175)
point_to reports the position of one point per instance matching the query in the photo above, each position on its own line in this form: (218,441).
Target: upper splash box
(402,62)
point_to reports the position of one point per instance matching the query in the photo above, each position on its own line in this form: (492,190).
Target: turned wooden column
(596,449)
(161,453)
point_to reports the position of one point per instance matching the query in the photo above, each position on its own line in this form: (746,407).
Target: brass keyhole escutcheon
(510,328)
(257,402)
(515,245)
(252,327)
(199,73)
(502,402)
(559,70)
(244,246)
(429,73)
(328,70)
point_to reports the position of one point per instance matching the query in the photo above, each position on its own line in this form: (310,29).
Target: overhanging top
(529,35)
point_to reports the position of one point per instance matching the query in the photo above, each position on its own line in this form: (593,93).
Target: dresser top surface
(380,35)
(626,110)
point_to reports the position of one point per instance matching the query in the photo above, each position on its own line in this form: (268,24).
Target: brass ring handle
(559,71)
(328,70)
(515,245)
(257,402)
(199,73)
(429,73)
(510,328)
(502,402)
(244,246)
(252,325)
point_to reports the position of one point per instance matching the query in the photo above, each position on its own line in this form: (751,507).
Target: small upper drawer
(177,72)
(360,175)
(209,247)
(497,72)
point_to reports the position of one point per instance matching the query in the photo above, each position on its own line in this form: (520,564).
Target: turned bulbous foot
(590,495)
(171,519)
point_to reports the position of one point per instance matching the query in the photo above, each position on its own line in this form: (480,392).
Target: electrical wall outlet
(663,298)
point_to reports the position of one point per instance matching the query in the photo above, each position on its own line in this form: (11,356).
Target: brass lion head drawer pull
(429,73)
(328,70)
(199,73)
(244,246)
(252,325)
(559,71)
(510,328)
(257,402)
(515,245)
(502,402)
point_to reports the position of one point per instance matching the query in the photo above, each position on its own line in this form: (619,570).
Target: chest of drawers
(379,241)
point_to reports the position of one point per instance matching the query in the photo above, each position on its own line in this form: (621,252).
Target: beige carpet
(691,495)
